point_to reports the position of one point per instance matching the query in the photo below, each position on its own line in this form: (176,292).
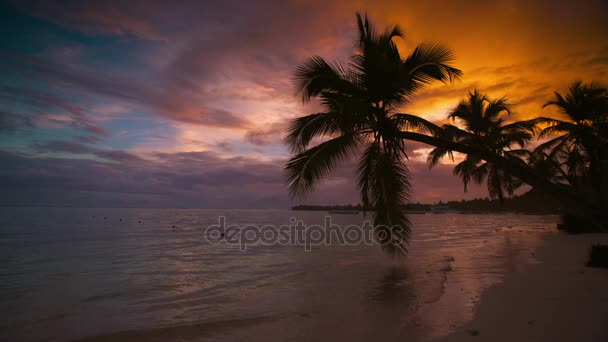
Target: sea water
(151,274)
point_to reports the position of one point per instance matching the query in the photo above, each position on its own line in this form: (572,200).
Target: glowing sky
(155,103)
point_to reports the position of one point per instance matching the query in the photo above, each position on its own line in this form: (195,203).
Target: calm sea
(129,274)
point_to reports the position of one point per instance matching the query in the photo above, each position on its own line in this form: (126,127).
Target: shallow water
(70,273)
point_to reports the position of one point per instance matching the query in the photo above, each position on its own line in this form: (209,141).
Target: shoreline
(558,299)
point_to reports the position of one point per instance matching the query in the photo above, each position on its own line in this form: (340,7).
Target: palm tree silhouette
(483,121)
(360,115)
(579,142)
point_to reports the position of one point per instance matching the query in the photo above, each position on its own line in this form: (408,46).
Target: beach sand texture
(559,299)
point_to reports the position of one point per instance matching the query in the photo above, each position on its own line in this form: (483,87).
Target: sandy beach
(558,299)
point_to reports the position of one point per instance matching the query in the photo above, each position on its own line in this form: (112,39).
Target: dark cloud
(74,147)
(87,139)
(119,156)
(193,179)
(163,99)
(201,181)
(210,47)
(224,146)
(12,122)
(272,135)
(66,146)
(42,103)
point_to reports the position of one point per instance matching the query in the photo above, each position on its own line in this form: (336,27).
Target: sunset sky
(184,104)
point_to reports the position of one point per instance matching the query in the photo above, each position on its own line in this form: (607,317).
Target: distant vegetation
(532,202)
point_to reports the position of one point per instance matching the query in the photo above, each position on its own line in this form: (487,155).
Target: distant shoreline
(531,202)
(424,211)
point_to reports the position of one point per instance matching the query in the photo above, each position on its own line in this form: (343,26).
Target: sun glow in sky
(149,103)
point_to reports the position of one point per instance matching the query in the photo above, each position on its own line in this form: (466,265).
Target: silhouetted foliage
(576,224)
(531,202)
(482,119)
(360,100)
(598,256)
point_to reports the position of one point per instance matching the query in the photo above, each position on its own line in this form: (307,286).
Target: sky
(184,104)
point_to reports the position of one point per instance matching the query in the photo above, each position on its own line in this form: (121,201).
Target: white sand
(557,300)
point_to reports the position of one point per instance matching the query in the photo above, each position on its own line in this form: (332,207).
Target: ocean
(156,274)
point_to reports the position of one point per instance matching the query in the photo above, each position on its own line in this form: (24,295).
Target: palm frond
(409,122)
(465,169)
(305,169)
(384,183)
(431,62)
(561,127)
(303,129)
(436,155)
(315,75)
(518,153)
(495,108)
(480,173)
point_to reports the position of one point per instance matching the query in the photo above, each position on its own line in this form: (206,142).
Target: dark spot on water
(530,322)
(473,332)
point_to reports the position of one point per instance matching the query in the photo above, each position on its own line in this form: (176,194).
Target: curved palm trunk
(560,191)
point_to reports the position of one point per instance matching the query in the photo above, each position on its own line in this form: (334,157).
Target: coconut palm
(361,100)
(579,141)
(483,126)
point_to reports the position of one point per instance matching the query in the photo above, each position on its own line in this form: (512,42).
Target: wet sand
(559,299)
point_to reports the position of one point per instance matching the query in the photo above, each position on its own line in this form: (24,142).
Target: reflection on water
(75,273)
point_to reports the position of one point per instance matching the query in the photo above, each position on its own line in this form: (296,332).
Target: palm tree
(361,101)
(579,142)
(482,121)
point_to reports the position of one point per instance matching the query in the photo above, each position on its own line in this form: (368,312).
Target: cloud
(87,139)
(65,146)
(119,156)
(218,74)
(266,136)
(73,147)
(163,100)
(189,179)
(42,103)
(104,17)
(12,122)
(198,180)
